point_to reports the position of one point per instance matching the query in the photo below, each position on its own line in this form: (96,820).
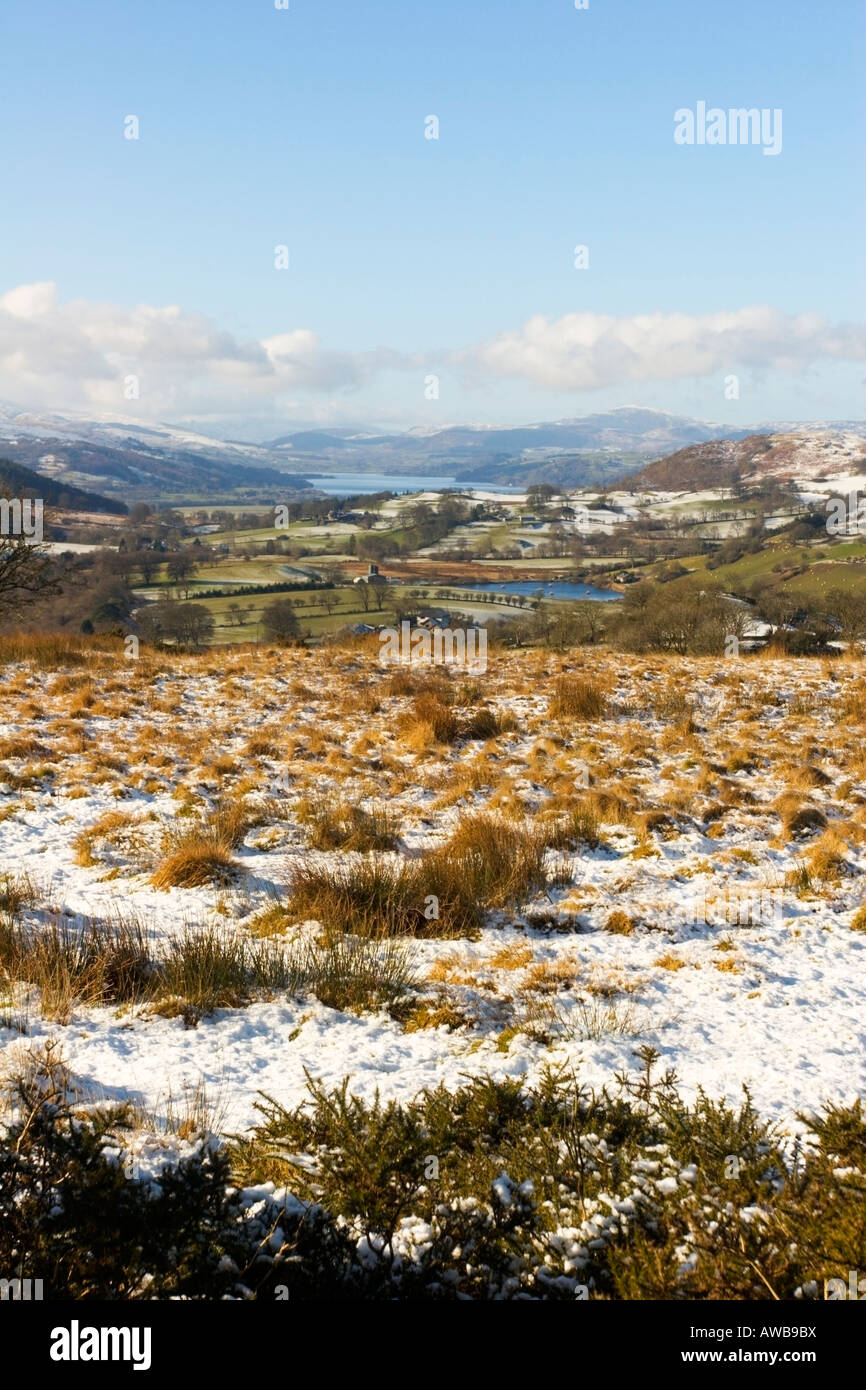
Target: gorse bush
(70,1216)
(497,1190)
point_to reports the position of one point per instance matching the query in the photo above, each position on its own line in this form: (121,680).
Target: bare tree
(379,587)
(26,572)
(181,566)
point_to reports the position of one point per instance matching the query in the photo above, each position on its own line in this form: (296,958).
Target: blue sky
(411,257)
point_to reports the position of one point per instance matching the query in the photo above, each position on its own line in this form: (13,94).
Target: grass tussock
(798,819)
(340,825)
(199,859)
(498,862)
(74,963)
(488,862)
(211,967)
(53,651)
(106,828)
(17,891)
(355,975)
(577,697)
(619,923)
(379,897)
(199,855)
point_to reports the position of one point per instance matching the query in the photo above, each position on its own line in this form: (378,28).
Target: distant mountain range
(135,462)
(127,460)
(588,449)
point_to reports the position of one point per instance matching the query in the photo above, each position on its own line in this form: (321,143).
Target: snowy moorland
(327,979)
(702,844)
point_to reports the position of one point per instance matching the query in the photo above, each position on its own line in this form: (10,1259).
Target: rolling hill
(17,481)
(802,456)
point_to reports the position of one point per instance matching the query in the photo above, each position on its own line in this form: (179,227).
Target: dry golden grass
(619,923)
(551,976)
(670,962)
(798,817)
(827,859)
(105,828)
(513,957)
(421,1015)
(202,854)
(454,970)
(22,746)
(576,697)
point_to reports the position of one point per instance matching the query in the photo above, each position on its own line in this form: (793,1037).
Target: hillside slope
(17,481)
(798,455)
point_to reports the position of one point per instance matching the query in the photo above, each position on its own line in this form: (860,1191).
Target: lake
(351,484)
(348,484)
(557,588)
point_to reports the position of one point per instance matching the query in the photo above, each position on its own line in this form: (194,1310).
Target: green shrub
(497,1190)
(533,1191)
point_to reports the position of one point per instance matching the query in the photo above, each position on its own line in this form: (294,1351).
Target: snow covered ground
(737,959)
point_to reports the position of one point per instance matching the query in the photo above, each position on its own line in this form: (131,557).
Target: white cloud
(77,354)
(584,352)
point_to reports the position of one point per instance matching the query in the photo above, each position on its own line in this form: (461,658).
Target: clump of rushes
(16,892)
(207,968)
(354,975)
(498,862)
(575,697)
(379,897)
(341,826)
(576,824)
(487,863)
(84,962)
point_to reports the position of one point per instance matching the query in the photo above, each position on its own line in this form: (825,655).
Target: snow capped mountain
(117,430)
